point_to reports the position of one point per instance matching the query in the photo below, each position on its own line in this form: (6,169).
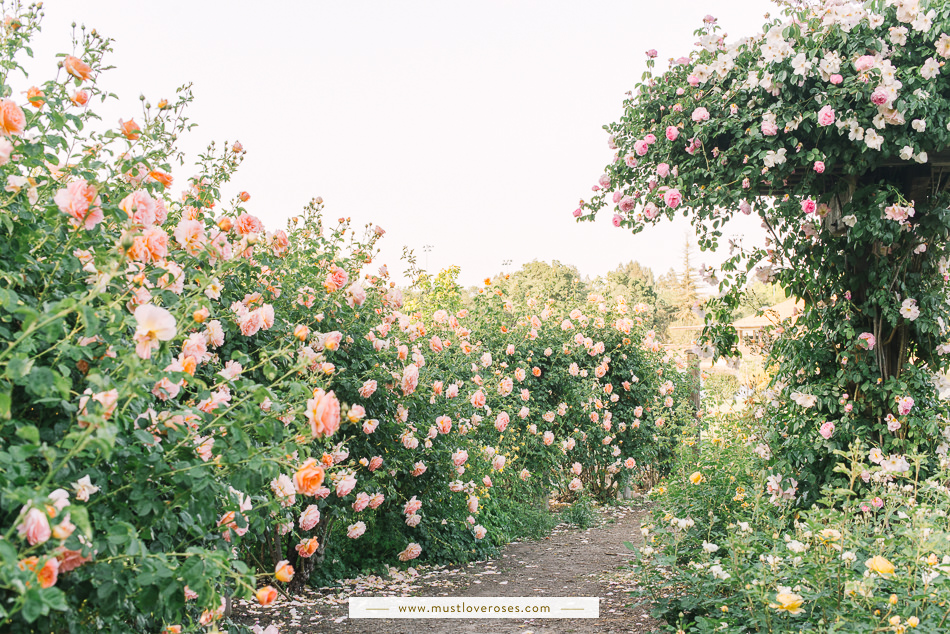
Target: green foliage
(711,563)
(581,513)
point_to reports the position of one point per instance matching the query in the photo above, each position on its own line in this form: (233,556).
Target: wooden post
(692,360)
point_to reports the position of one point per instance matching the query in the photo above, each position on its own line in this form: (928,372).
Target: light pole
(427,248)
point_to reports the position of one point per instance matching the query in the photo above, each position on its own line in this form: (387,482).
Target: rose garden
(198,412)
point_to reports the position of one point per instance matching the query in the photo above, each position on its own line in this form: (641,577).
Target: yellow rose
(880,565)
(696,478)
(788,602)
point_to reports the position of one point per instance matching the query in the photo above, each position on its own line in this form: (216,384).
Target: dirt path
(570,562)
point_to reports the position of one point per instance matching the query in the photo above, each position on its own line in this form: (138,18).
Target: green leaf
(29,433)
(18,367)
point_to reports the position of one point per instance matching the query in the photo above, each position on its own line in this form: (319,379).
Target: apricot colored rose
(77,68)
(36,97)
(12,119)
(79,98)
(162,177)
(284,571)
(307,547)
(309,477)
(130,129)
(266,595)
(48,574)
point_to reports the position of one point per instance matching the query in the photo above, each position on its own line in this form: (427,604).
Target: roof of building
(771,316)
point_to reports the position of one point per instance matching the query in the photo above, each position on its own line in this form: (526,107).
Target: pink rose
(355,295)
(353,531)
(35,527)
(693,81)
(809,206)
(836,79)
(652,53)
(672,198)
(672,132)
(663,170)
(819,166)
(879,97)
(640,147)
(478,399)
(826,116)
(627,204)
(577,213)
(323,413)
(866,340)
(368,388)
(375,463)
(6,149)
(410,379)
(362,501)
(617,220)
(501,422)
(827,429)
(700,114)
(412,506)
(459,457)
(412,551)
(630,160)
(80,202)
(345,485)
(650,139)
(768,128)
(310,517)
(863,63)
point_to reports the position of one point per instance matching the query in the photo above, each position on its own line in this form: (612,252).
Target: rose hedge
(192,407)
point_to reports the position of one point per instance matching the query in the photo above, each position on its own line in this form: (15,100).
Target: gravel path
(570,562)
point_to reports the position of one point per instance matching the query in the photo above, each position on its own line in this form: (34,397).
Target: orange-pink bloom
(323,412)
(266,595)
(130,129)
(309,477)
(80,201)
(12,119)
(77,68)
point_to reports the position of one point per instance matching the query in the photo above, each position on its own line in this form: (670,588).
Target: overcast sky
(474,127)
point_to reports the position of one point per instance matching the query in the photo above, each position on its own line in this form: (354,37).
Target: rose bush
(831,125)
(194,407)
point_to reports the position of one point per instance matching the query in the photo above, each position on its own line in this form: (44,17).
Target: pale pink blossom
(153,325)
(35,527)
(826,116)
(310,517)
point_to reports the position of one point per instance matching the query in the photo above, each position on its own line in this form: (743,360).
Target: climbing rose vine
(832,125)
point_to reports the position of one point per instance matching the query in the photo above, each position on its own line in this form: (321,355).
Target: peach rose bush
(194,406)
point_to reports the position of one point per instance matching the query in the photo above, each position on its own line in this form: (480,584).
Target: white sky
(474,127)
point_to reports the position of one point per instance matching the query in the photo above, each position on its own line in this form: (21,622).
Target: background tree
(542,281)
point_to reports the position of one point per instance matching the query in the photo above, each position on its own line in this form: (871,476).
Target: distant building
(752,330)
